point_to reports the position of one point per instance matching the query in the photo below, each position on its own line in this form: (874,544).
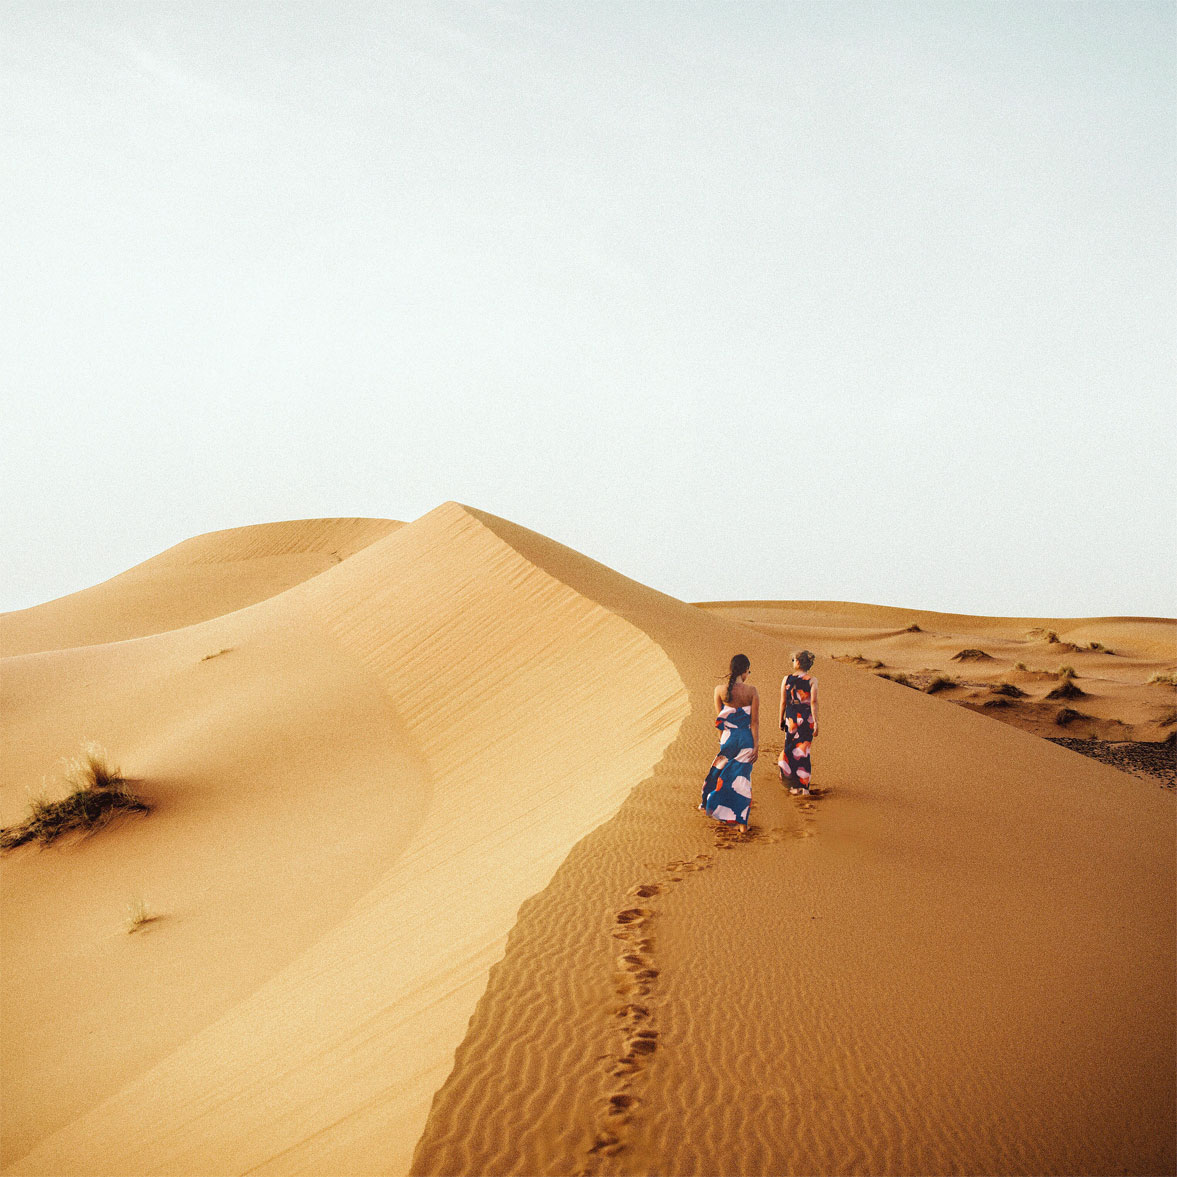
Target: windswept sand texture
(434,895)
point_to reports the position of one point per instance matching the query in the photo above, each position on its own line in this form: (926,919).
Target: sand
(433,895)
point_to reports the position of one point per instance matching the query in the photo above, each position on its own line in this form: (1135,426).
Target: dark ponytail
(740,663)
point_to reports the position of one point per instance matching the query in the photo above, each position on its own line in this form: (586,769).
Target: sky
(856,301)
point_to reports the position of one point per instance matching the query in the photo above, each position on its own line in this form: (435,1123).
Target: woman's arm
(755,723)
(813,705)
(783,696)
(718,700)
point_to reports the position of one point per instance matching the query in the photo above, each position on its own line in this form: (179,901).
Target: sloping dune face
(201,578)
(353,795)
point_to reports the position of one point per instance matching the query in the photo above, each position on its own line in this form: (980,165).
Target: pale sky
(855,301)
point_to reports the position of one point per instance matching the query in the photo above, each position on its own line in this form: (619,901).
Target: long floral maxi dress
(727,791)
(794,759)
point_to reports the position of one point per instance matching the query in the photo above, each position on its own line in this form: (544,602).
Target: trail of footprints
(636,974)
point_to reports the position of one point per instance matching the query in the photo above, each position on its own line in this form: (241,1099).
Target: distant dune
(432,893)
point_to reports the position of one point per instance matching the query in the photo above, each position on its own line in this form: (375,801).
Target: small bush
(1099,647)
(1066,690)
(1020,666)
(1165,676)
(139,915)
(1065,672)
(941,682)
(913,628)
(1066,716)
(998,702)
(216,654)
(971,655)
(898,677)
(1008,688)
(97,791)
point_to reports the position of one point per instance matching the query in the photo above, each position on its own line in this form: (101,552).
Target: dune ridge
(289,1078)
(790,1031)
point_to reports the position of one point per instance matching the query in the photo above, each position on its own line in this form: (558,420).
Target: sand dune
(435,896)
(196,580)
(1119,663)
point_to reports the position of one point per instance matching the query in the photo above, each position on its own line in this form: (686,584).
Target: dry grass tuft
(1066,690)
(971,655)
(942,682)
(1066,716)
(1065,672)
(1020,666)
(1165,676)
(217,653)
(97,792)
(1008,689)
(913,628)
(139,915)
(898,677)
(1099,647)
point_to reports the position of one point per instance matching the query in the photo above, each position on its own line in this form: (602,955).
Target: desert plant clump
(972,655)
(941,682)
(216,654)
(1009,689)
(139,915)
(1066,689)
(1066,715)
(1099,648)
(898,677)
(97,792)
(1165,676)
(913,628)
(1020,666)
(1065,672)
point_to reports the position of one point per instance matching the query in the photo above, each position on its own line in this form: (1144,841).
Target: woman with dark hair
(727,791)
(799,723)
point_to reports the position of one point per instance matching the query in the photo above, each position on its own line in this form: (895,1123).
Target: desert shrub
(1099,647)
(1008,688)
(971,655)
(1165,676)
(1066,690)
(898,677)
(1019,666)
(913,628)
(1066,715)
(998,702)
(941,682)
(97,792)
(1065,672)
(139,915)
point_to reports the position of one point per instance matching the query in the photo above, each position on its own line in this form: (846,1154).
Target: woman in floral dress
(799,723)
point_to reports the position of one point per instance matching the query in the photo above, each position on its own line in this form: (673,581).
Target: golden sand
(433,896)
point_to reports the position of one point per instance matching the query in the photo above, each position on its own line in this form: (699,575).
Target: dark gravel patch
(1143,758)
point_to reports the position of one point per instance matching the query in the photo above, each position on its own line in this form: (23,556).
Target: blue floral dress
(727,791)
